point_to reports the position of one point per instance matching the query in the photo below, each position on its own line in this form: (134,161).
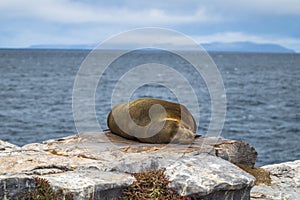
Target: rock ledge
(99,165)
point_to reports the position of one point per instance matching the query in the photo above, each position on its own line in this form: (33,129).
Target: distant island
(63,46)
(246,47)
(211,47)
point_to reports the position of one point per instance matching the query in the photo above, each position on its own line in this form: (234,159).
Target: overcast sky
(32,22)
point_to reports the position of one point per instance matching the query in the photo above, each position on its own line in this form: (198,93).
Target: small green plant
(43,191)
(151,185)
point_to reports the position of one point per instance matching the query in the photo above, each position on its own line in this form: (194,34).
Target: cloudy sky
(33,22)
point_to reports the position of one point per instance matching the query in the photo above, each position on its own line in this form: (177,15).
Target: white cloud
(278,6)
(151,37)
(65,11)
(26,22)
(26,38)
(281,7)
(228,37)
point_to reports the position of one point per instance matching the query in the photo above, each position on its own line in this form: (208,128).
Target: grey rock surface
(99,165)
(13,185)
(7,147)
(92,183)
(285,182)
(237,152)
(196,177)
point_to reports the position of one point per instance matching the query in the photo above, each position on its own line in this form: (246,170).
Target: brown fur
(178,125)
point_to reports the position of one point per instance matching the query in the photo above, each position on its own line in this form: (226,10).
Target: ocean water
(263,96)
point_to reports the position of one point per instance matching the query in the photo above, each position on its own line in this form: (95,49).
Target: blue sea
(262,90)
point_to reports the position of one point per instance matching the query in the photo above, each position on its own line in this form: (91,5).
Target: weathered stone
(83,184)
(7,147)
(91,183)
(285,178)
(12,186)
(100,164)
(237,152)
(196,176)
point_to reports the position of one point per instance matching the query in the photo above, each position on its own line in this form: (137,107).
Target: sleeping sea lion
(152,121)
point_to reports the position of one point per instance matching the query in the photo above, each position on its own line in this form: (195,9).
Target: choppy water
(262,96)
